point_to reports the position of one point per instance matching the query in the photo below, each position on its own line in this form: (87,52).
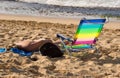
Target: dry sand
(13,28)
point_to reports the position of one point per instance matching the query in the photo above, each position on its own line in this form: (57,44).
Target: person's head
(51,50)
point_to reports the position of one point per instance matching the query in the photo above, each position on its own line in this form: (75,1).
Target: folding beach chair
(86,35)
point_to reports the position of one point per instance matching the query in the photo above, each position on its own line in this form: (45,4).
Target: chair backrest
(88,30)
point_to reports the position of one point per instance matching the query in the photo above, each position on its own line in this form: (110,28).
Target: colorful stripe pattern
(79,46)
(88,30)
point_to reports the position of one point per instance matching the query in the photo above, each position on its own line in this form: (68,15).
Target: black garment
(51,50)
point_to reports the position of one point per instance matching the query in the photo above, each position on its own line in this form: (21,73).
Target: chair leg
(96,50)
(64,46)
(68,52)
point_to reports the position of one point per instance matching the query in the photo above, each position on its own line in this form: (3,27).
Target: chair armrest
(64,38)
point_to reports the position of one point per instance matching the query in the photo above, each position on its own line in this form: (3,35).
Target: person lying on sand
(46,47)
(31,45)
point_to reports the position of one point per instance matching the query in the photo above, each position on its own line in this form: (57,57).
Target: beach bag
(51,50)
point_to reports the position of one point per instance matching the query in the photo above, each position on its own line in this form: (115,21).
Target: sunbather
(46,47)
(31,45)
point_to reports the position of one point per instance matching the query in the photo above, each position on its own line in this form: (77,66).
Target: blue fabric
(92,21)
(2,50)
(21,52)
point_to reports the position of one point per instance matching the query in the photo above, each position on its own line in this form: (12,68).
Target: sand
(61,20)
(81,65)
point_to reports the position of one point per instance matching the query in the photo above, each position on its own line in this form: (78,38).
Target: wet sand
(40,19)
(14,28)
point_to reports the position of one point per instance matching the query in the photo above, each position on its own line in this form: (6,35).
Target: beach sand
(14,28)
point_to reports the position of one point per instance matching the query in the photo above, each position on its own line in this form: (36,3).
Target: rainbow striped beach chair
(86,35)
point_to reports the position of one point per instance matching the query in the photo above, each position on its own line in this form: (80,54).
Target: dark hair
(51,50)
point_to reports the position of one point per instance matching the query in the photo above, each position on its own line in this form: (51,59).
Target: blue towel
(2,50)
(21,52)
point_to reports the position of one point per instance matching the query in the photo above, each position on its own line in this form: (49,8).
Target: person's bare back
(31,45)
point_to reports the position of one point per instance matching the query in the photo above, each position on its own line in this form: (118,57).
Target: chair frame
(69,50)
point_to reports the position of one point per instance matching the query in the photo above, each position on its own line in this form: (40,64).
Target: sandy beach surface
(89,65)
